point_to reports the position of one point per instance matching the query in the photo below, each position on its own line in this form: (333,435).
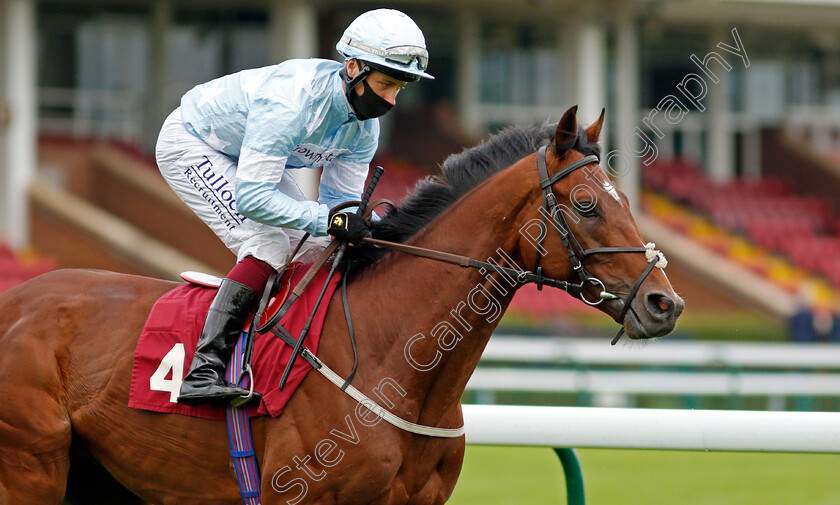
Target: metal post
(574,476)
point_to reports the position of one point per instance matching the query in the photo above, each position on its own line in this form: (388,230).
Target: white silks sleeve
(264,203)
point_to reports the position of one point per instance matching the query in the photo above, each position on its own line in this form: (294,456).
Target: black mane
(459,174)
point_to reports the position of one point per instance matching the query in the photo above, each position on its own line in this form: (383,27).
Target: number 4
(173,361)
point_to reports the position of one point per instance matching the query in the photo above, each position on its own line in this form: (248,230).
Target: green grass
(533,476)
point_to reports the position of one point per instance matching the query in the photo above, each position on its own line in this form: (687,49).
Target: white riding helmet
(389,41)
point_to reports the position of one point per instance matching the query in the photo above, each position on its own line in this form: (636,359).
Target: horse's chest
(424,477)
(428,474)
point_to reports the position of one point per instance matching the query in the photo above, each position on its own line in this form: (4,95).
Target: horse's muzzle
(654,315)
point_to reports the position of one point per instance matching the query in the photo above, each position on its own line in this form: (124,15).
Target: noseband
(574,250)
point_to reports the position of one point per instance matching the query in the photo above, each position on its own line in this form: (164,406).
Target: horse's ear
(593,133)
(564,137)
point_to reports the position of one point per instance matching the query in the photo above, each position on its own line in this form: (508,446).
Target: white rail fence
(562,428)
(615,376)
(666,429)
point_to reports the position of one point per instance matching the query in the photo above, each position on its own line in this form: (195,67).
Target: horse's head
(581,230)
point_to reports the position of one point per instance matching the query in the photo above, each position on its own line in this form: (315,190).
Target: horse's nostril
(660,305)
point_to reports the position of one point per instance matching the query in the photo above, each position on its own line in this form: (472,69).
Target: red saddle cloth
(168,341)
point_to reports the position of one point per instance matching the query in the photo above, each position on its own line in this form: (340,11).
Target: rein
(522,276)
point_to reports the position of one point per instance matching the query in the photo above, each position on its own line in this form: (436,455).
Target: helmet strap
(350,83)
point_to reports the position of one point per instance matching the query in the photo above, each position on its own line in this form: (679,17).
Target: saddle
(276,292)
(168,340)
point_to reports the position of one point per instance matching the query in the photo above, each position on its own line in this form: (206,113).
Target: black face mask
(368,105)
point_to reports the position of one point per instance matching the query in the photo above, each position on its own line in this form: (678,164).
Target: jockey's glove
(348,227)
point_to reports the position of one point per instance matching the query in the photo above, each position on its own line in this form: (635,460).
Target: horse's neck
(432,320)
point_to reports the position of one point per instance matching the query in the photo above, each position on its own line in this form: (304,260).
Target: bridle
(574,250)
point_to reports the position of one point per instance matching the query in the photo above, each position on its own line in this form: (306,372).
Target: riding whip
(374,180)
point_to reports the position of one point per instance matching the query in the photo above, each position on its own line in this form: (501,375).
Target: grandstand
(747,177)
(725,118)
(16,268)
(762,224)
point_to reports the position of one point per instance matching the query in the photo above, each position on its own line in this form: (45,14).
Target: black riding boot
(205,381)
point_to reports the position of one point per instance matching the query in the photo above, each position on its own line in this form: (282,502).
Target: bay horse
(67,340)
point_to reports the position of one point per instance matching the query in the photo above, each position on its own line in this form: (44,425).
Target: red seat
(767,211)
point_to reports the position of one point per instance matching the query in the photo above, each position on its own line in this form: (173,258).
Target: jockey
(226,151)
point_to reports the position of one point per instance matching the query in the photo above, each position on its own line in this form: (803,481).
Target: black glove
(348,227)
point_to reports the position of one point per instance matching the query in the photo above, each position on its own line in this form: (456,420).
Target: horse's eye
(586,209)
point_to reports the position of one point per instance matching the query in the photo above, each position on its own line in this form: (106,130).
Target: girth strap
(242,452)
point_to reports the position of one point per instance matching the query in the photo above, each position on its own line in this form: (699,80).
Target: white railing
(816,124)
(91,113)
(564,428)
(657,382)
(695,430)
(663,352)
(614,376)
(692,128)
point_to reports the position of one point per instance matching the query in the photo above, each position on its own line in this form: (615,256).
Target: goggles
(401,55)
